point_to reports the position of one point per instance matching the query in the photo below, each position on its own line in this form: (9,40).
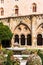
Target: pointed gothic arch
(40,25)
(21,29)
(23,25)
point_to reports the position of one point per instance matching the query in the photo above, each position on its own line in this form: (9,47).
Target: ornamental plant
(40,53)
(11,60)
(34,59)
(5,32)
(2,59)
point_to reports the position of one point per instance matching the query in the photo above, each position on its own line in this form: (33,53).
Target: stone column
(19,40)
(12,42)
(34,44)
(42,34)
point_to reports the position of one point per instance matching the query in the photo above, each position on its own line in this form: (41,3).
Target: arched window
(29,39)
(22,39)
(16,38)
(34,7)
(2,1)
(2,11)
(39,39)
(16,9)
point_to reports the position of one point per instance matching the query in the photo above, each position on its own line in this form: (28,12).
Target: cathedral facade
(25,19)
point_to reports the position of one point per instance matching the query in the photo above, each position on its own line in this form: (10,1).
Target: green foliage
(29,51)
(34,60)
(24,58)
(5,32)
(10,59)
(2,59)
(16,62)
(40,53)
(1,24)
(8,62)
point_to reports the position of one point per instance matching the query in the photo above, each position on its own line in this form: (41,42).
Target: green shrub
(34,60)
(16,61)
(26,52)
(2,59)
(40,53)
(11,59)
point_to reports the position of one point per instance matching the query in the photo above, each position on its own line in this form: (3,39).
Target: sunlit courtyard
(21,32)
(21,56)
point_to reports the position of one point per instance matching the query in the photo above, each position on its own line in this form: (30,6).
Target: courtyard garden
(17,55)
(29,57)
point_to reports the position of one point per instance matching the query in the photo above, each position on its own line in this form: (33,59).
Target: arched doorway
(29,39)
(6,43)
(22,39)
(39,39)
(16,38)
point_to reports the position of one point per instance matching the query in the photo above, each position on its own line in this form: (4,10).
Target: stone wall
(25,7)
(34,24)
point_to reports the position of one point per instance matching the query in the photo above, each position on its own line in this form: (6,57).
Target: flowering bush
(16,61)
(2,59)
(40,53)
(9,60)
(26,52)
(34,60)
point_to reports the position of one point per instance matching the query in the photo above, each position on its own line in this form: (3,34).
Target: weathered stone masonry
(25,25)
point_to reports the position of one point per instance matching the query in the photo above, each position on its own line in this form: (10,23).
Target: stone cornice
(21,16)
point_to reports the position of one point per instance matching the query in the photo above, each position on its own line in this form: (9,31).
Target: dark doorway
(16,38)
(29,39)
(6,43)
(22,39)
(39,39)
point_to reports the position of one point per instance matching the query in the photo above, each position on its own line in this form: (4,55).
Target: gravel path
(23,62)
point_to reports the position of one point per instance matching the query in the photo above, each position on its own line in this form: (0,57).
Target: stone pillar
(42,34)
(12,42)
(19,40)
(34,44)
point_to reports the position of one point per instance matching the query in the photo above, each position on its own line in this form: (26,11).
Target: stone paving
(23,62)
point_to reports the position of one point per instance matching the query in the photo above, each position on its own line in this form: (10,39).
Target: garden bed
(20,59)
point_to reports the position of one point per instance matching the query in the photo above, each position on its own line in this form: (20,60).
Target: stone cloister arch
(24,34)
(40,35)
